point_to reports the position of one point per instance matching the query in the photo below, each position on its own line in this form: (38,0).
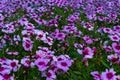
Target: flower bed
(59,40)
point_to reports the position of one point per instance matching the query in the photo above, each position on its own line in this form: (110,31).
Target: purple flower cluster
(107,75)
(43,33)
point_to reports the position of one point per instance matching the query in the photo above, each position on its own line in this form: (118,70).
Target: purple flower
(73,17)
(109,75)
(108,48)
(6,77)
(42,64)
(27,62)
(96,75)
(117,28)
(70,28)
(40,35)
(107,30)
(48,40)
(88,26)
(13,65)
(1,17)
(4,70)
(27,44)
(87,52)
(114,38)
(116,47)
(88,40)
(50,75)
(113,58)
(64,65)
(60,36)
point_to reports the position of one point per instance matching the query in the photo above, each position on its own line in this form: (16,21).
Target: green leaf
(105,64)
(74,77)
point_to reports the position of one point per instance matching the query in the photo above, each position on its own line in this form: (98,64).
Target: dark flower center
(49,74)
(64,64)
(28,61)
(41,63)
(107,30)
(86,52)
(115,37)
(1,69)
(49,40)
(13,64)
(118,47)
(60,35)
(109,75)
(40,36)
(27,45)
(6,76)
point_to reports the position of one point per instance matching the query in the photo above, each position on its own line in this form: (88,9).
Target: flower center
(1,69)
(13,64)
(118,47)
(49,74)
(41,63)
(115,38)
(64,64)
(86,52)
(27,45)
(109,75)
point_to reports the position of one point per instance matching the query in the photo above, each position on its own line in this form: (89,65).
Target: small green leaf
(105,64)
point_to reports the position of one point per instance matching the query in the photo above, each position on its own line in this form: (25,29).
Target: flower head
(109,75)
(42,64)
(116,47)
